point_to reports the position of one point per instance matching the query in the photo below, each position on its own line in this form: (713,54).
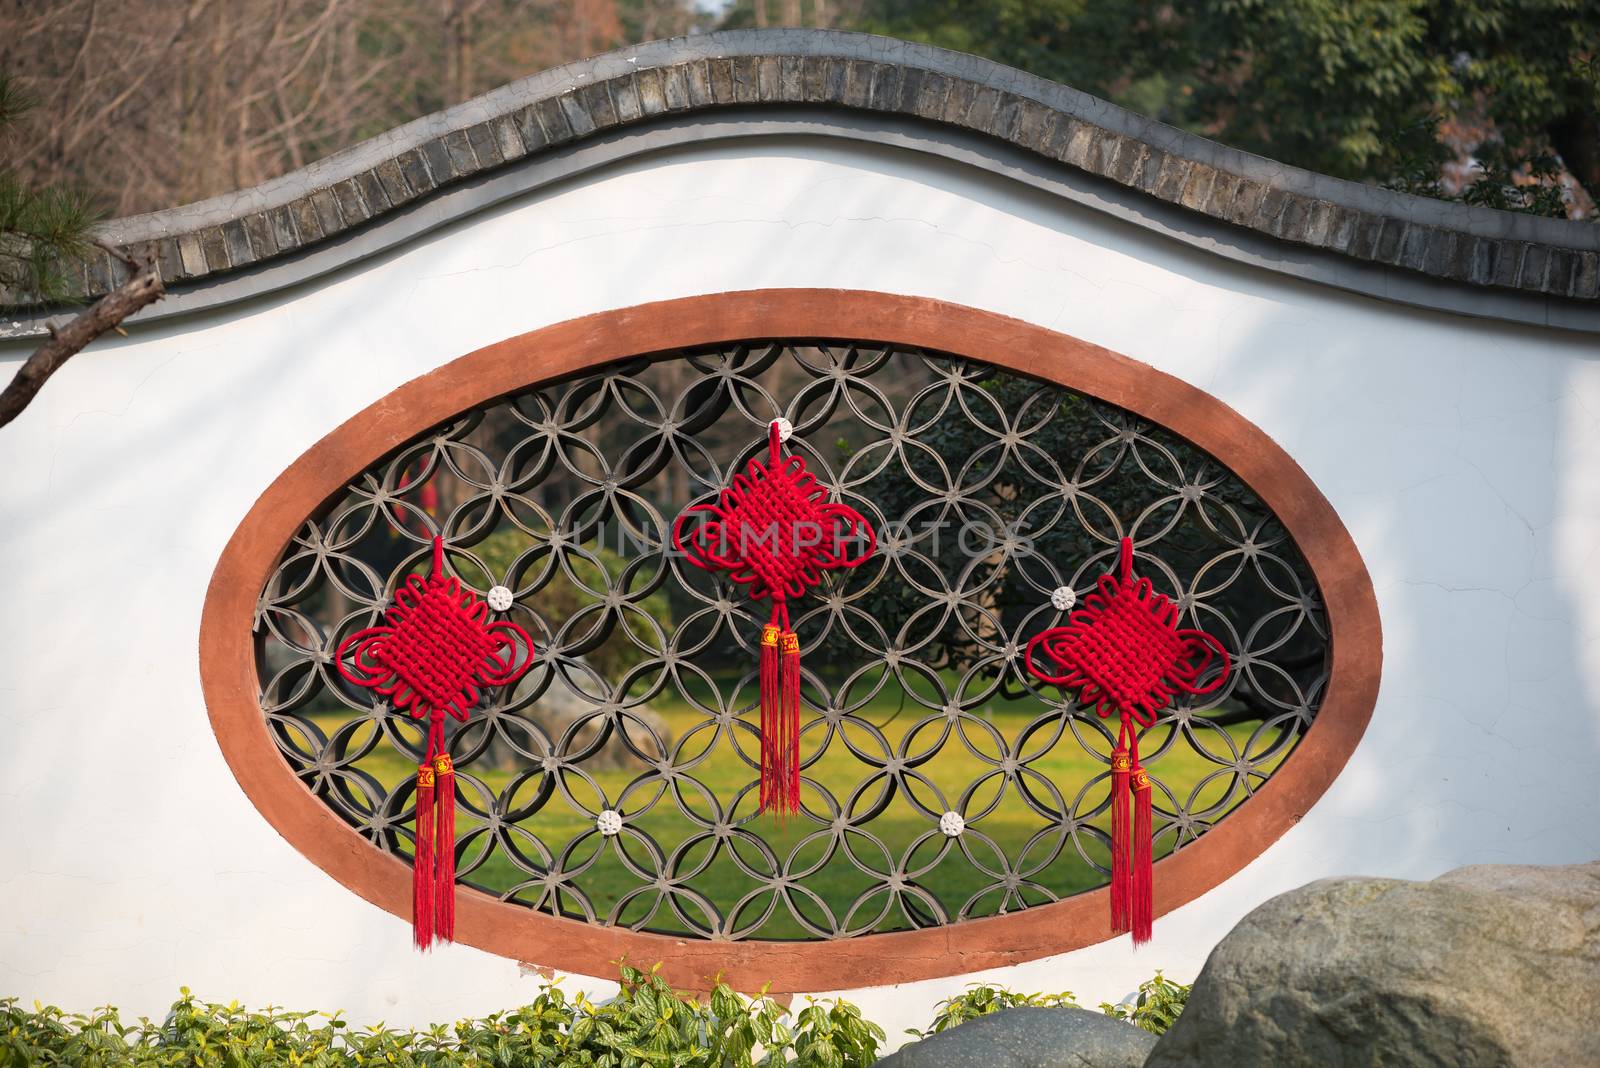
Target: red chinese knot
(431,657)
(775,531)
(436,648)
(1122,652)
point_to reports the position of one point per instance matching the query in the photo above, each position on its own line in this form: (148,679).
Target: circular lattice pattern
(616,782)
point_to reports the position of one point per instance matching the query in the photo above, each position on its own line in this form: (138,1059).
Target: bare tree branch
(143,287)
(149,103)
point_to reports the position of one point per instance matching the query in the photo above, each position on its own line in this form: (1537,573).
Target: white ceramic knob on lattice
(785,428)
(952,824)
(1062,598)
(609,822)
(499,598)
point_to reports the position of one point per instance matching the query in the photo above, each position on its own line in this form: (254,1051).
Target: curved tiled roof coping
(765,73)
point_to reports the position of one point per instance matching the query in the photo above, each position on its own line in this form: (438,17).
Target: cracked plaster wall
(1455,450)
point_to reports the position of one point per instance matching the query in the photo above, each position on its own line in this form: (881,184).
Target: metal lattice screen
(988,491)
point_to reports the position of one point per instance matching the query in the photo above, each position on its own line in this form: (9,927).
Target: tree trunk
(455,52)
(145,287)
(1576,136)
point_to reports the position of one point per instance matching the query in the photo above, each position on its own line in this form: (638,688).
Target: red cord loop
(1121,649)
(436,647)
(773,529)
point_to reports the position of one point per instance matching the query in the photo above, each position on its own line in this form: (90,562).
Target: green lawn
(544,817)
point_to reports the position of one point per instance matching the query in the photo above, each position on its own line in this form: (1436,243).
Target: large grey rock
(1030,1038)
(560,707)
(1483,966)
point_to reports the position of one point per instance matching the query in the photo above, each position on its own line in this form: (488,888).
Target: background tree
(1486,100)
(152,103)
(158,102)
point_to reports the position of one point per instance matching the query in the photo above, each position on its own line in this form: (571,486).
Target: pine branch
(143,287)
(43,229)
(13,101)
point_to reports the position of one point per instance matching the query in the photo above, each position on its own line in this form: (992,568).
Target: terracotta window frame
(229,681)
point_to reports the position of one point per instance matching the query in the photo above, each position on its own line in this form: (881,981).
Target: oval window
(608,800)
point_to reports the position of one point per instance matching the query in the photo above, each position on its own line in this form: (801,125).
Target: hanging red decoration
(1122,652)
(432,656)
(774,531)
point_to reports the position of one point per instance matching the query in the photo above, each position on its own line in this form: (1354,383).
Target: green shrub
(647,1025)
(833,1035)
(979,999)
(1155,1008)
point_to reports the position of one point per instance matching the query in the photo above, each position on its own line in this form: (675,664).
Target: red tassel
(789,739)
(444,885)
(422,864)
(1121,834)
(771,716)
(1142,878)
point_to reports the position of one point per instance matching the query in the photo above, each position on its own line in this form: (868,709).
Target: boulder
(1030,1037)
(1484,966)
(559,707)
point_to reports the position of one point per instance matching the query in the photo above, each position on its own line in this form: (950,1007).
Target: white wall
(1458,453)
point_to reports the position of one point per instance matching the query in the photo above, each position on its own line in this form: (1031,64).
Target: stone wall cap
(775,70)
